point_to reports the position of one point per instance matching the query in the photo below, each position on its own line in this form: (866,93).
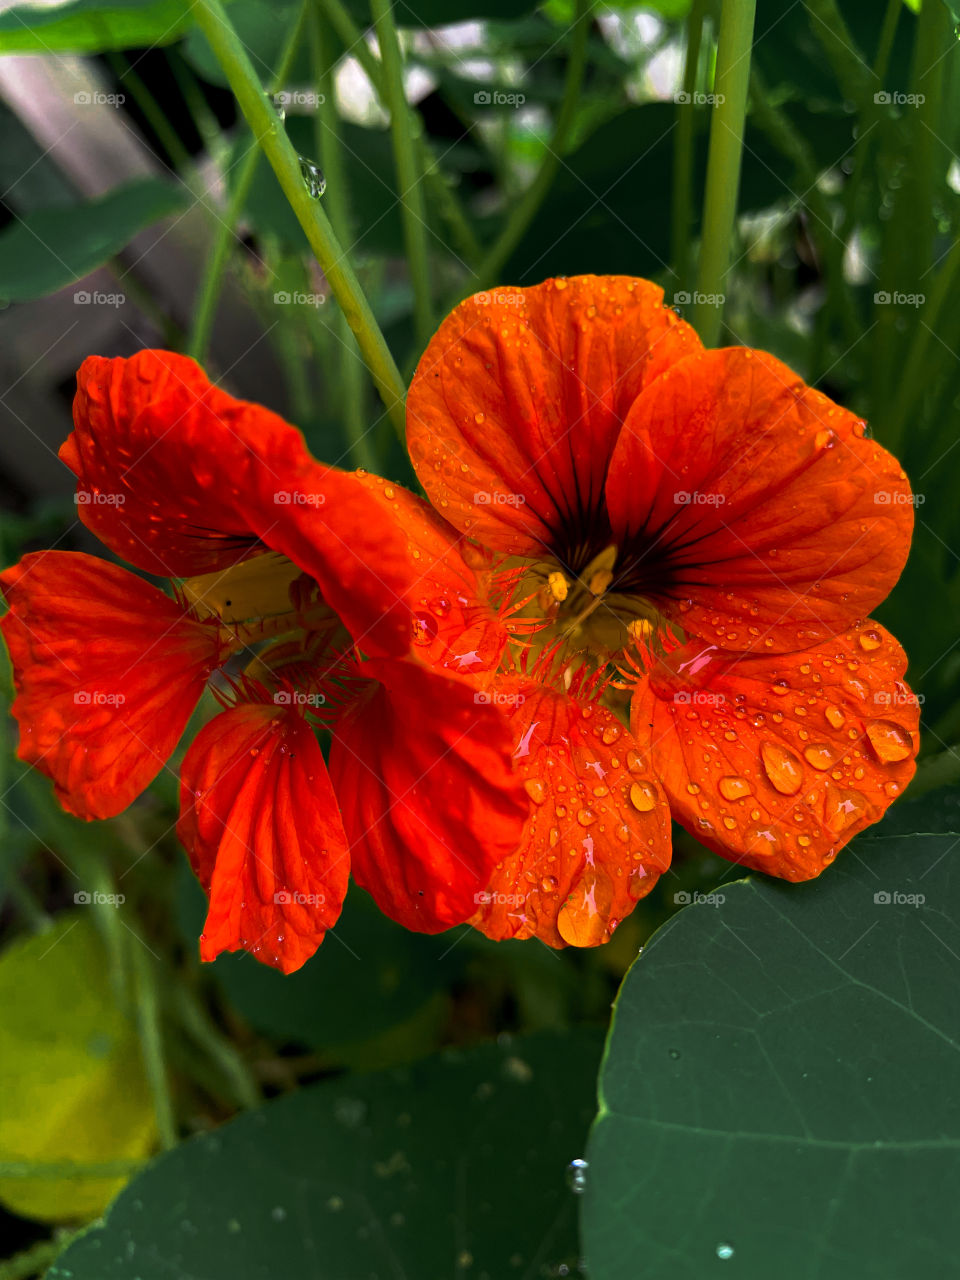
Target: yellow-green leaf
(71,1079)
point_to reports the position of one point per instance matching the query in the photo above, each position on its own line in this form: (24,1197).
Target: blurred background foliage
(558,140)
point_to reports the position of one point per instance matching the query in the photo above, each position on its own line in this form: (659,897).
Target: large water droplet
(820,754)
(834,716)
(782,768)
(842,808)
(313,178)
(725,1250)
(733,788)
(643,796)
(536,790)
(889,741)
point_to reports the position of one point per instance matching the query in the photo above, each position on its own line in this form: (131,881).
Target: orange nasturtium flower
(696,529)
(288,596)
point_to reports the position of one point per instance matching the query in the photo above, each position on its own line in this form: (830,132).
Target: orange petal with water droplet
(517,402)
(599,837)
(721,486)
(799,773)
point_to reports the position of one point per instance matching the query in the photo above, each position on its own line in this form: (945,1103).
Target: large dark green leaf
(50,248)
(776,1095)
(89,26)
(455,1167)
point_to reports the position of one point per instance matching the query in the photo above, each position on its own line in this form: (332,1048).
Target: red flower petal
(181,479)
(750,508)
(451,582)
(598,834)
(107,671)
(259,820)
(430,803)
(516,405)
(777,761)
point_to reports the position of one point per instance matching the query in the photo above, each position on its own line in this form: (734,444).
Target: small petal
(259,820)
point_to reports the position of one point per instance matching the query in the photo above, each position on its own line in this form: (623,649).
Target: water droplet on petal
(889,741)
(834,716)
(424,628)
(820,754)
(761,840)
(536,790)
(643,797)
(782,767)
(733,788)
(843,808)
(870,640)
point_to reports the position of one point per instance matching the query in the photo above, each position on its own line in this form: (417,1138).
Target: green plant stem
(208,294)
(35,1260)
(151,1043)
(723,160)
(330,154)
(408,175)
(62,1169)
(914,372)
(936,771)
(531,200)
(270,135)
(840,49)
(447,204)
(152,112)
(683,148)
(197,1023)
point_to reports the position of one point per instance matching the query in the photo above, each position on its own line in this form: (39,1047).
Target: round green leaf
(775,1095)
(454,1167)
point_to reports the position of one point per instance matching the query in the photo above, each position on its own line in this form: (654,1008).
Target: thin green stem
(531,200)
(152,112)
(936,771)
(840,49)
(208,294)
(35,1260)
(330,155)
(683,148)
(217,1047)
(151,1043)
(914,374)
(724,158)
(448,206)
(412,211)
(60,1170)
(232,57)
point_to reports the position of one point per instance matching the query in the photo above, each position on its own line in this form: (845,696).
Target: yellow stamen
(559,585)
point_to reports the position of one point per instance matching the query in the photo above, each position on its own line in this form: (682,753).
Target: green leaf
(71,1079)
(50,248)
(454,1167)
(90,26)
(773,1095)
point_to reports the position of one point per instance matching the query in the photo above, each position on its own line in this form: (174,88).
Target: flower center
(585,614)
